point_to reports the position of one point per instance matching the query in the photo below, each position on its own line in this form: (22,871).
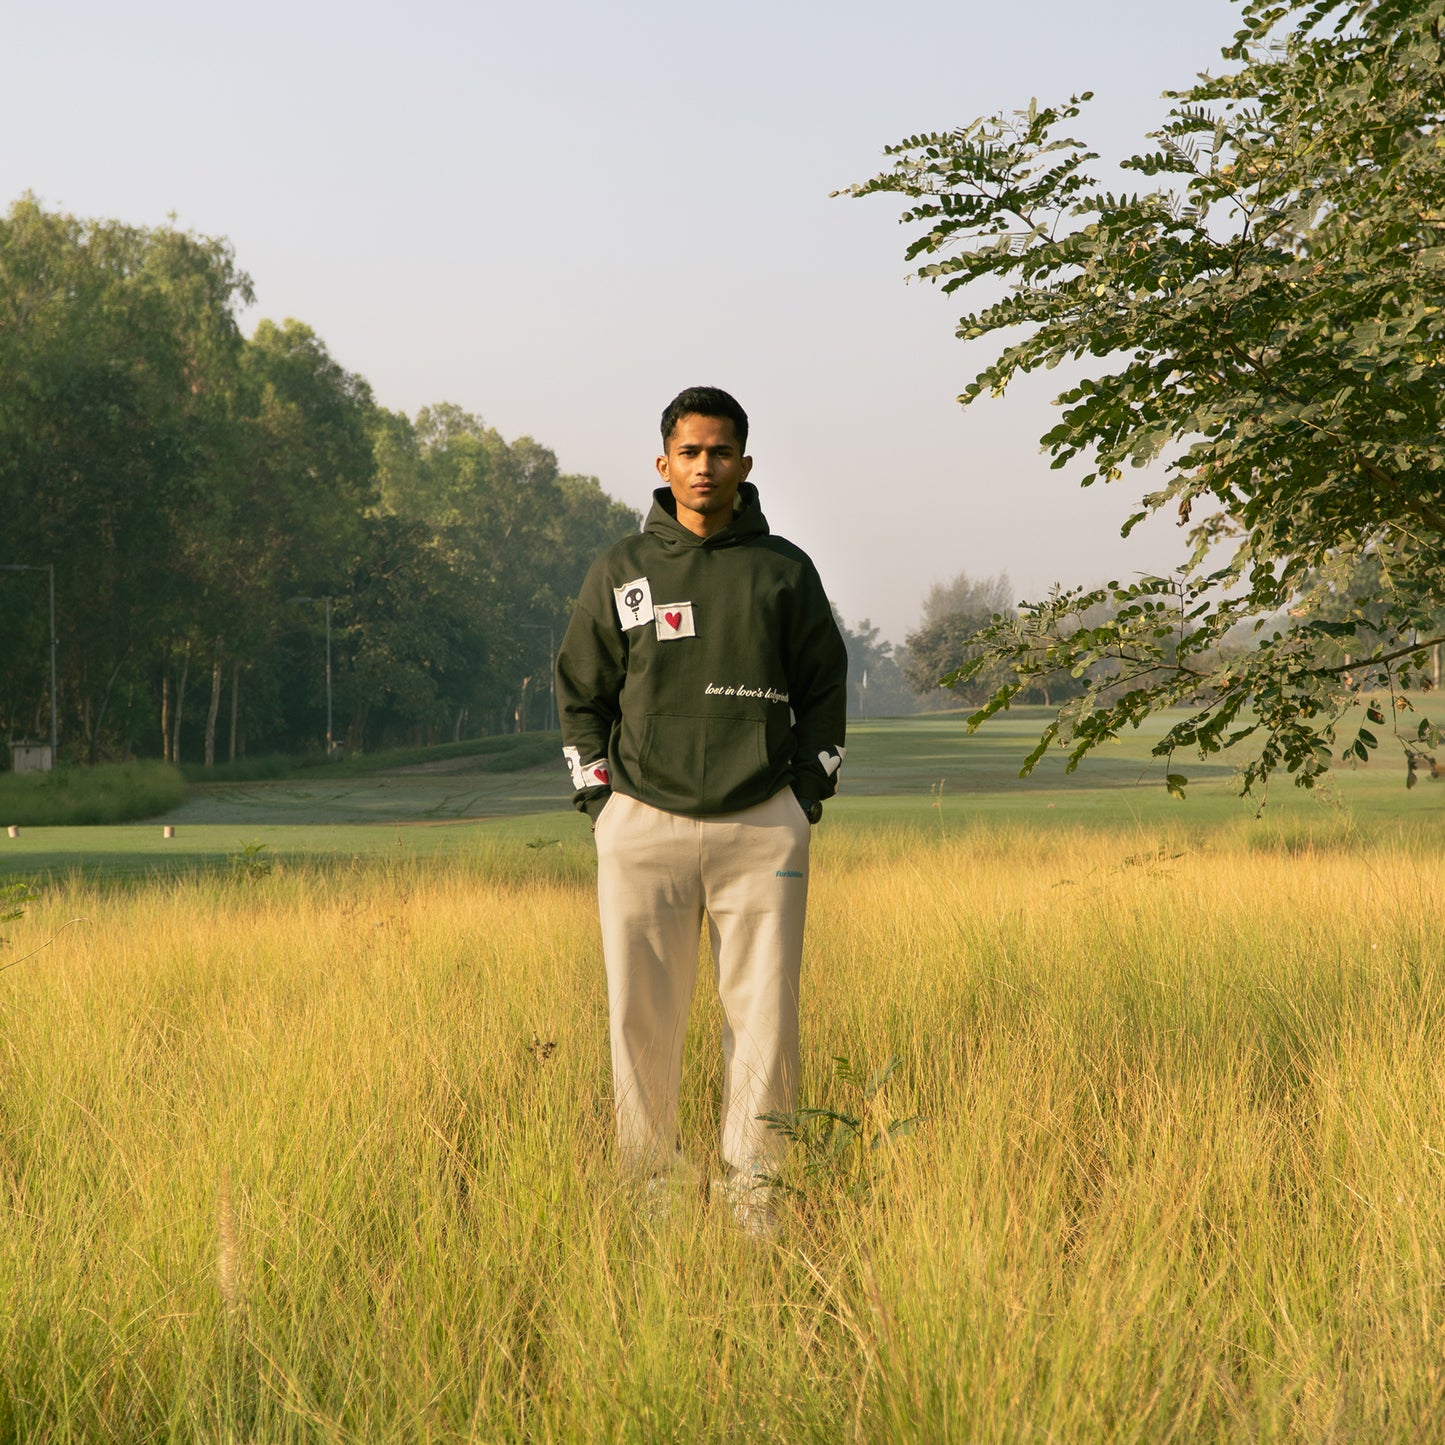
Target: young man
(702,685)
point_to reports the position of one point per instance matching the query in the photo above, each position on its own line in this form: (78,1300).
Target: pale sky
(558,215)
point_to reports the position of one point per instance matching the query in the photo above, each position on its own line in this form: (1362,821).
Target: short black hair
(704,401)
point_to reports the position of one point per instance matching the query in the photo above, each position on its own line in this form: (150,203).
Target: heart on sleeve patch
(674,620)
(586,775)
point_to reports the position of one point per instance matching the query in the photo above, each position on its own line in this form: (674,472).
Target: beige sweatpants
(658,874)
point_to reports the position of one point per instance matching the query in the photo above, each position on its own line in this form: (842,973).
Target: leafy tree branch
(1267,323)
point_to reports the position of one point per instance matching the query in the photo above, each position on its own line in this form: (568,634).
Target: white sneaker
(664,1191)
(657,1199)
(751,1201)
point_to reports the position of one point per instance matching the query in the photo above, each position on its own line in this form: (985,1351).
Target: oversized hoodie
(702,675)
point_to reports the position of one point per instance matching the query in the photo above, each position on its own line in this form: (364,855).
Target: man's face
(703,467)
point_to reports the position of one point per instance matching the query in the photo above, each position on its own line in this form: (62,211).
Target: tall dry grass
(287,1158)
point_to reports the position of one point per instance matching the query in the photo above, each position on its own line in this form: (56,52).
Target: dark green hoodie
(702,675)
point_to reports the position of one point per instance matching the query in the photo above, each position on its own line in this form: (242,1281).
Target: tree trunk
(166,710)
(356,733)
(462,713)
(215,708)
(180,707)
(235,704)
(105,707)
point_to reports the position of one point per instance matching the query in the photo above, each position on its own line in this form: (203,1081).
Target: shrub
(108,793)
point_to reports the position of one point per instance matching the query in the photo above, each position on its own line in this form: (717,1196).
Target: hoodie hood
(748,521)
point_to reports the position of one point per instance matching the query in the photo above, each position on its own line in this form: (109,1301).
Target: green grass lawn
(926,771)
(934,759)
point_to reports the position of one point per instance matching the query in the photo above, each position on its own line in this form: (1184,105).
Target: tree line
(214,506)
(210,502)
(946,661)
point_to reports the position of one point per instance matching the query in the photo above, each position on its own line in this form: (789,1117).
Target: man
(702,688)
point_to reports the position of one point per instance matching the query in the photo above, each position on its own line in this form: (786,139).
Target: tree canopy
(876,684)
(205,497)
(1266,324)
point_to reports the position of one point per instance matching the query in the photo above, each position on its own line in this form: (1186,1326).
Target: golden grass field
(285,1157)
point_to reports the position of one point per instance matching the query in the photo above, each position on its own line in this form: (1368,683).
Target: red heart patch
(673,619)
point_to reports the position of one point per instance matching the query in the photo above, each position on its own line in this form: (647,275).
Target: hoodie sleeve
(818,692)
(591,668)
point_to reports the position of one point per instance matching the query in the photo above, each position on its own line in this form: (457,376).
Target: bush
(109,793)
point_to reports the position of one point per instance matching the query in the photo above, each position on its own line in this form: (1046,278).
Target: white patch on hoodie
(634,603)
(586,775)
(674,619)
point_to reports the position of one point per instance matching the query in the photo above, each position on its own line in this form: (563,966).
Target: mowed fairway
(323,1153)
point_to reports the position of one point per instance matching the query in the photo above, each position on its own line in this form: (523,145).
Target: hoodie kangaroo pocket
(715,760)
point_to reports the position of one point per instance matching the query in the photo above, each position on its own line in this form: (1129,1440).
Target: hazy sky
(557,215)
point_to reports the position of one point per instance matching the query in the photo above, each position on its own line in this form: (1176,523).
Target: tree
(118,353)
(876,684)
(1358,588)
(518,535)
(407,640)
(284,517)
(1271,326)
(970,596)
(953,612)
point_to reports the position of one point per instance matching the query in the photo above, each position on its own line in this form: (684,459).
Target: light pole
(327,601)
(49,568)
(551,666)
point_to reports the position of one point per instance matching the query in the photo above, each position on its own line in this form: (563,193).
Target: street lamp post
(327,601)
(48,568)
(551,665)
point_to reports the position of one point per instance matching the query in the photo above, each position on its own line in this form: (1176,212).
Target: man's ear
(662,470)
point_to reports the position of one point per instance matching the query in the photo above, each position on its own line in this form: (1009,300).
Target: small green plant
(15,898)
(252,862)
(840,1147)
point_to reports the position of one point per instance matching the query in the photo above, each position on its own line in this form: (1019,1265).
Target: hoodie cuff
(812,807)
